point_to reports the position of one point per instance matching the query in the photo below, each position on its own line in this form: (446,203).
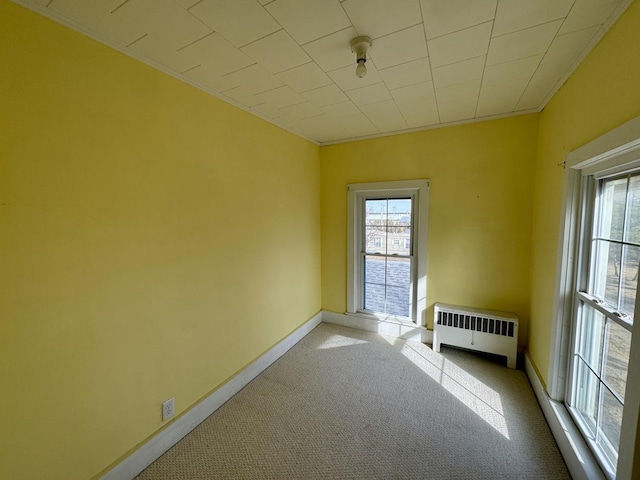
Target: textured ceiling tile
(305,77)
(514,15)
(217,53)
(547,77)
(281,97)
(301,111)
(413,93)
(569,46)
(97,19)
(407,73)
(308,20)
(277,52)
(502,72)
(524,43)
(209,76)
(304,87)
(325,95)
(533,96)
(463,45)
(342,109)
(268,110)
(460,72)
(551,71)
(186,4)
(254,78)
(400,47)
(159,50)
(333,51)
(239,21)
(421,113)
(347,79)
(385,116)
(458,102)
(358,125)
(376,18)
(369,94)
(321,128)
(163,19)
(588,13)
(243,95)
(500,98)
(447,16)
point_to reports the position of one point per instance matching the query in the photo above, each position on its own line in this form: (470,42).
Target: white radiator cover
(476,329)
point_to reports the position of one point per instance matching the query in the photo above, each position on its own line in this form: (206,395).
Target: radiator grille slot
(494,326)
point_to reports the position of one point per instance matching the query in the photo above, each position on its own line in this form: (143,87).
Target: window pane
(610,424)
(632,227)
(374,297)
(398,300)
(616,357)
(587,387)
(612,203)
(374,269)
(630,261)
(591,335)
(400,211)
(398,272)
(606,274)
(375,212)
(397,240)
(375,239)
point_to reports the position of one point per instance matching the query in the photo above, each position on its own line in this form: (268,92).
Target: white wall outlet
(167,409)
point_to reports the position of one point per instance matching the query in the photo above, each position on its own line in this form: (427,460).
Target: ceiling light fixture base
(359,46)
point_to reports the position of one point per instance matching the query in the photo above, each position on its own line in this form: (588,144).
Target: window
(591,355)
(387,250)
(604,310)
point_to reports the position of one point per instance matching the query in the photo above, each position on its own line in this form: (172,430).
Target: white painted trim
(419,192)
(388,325)
(181,426)
(577,455)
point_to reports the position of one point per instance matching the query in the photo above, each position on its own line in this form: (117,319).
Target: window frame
(418,191)
(613,152)
(583,298)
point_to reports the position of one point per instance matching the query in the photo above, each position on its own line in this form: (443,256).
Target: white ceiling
(432,62)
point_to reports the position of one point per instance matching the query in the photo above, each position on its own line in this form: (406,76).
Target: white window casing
(418,191)
(615,152)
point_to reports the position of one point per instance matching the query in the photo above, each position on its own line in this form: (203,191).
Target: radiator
(475,329)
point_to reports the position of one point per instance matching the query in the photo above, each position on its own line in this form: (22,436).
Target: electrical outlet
(167,409)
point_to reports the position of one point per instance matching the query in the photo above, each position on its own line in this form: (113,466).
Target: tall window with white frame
(387,249)
(604,310)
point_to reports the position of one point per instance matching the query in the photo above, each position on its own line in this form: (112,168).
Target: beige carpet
(348,404)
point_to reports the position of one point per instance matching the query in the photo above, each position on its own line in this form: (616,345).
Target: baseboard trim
(174,432)
(579,459)
(389,327)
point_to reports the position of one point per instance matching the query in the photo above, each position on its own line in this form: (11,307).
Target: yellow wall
(480,209)
(602,94)
(153,241)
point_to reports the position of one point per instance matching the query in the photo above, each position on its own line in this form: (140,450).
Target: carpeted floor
(349,404)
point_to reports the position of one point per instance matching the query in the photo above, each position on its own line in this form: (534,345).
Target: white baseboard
(168,437)
(579,459)
(384,326)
